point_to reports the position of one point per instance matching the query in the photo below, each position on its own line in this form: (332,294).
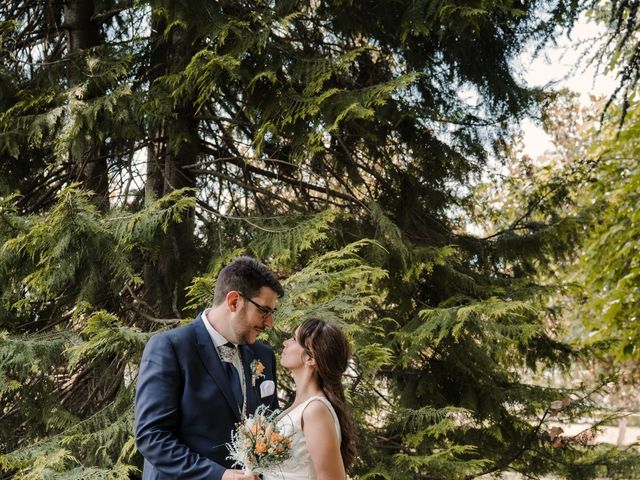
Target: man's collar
(217,338)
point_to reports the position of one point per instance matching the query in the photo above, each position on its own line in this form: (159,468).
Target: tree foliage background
(144,144)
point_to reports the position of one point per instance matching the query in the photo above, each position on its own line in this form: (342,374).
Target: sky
(557,64)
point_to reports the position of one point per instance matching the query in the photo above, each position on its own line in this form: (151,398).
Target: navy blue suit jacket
(184,409)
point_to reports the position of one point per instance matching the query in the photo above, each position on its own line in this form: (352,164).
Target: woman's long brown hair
(326,343)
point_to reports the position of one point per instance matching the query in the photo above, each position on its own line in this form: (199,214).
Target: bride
(322,431)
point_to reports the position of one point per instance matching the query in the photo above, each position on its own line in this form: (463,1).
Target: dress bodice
(298,466)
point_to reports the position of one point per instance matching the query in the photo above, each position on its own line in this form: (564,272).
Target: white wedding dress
(298,466)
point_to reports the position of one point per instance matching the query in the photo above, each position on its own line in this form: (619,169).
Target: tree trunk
(89,165)
(167,169)
(622,430)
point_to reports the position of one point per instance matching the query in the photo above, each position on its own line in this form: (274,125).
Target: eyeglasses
(265,311)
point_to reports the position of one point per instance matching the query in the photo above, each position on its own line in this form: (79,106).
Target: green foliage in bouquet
(258,444)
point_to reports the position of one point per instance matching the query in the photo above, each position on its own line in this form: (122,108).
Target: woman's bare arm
(322,441)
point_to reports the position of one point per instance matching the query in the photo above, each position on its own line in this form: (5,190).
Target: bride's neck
(306,385)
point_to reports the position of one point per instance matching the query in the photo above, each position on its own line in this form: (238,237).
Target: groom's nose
(268,322)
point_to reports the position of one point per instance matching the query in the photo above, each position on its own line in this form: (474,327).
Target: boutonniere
(257,371)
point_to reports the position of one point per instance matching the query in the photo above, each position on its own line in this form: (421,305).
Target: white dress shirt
(218,340)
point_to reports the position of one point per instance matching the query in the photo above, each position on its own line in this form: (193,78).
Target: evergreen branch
(288,180)
(578,175)
(103,17)
(247,186)
(163,321)
(526,445)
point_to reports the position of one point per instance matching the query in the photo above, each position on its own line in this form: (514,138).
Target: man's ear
(233,300)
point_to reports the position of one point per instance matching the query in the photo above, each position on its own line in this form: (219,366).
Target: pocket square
(267,388)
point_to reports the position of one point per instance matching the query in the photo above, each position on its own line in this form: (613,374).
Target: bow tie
(227,352)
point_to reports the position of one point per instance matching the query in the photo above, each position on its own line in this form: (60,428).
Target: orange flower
(261,447)
(276,437)
(257,371)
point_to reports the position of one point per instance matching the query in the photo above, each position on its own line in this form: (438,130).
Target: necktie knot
(227,352)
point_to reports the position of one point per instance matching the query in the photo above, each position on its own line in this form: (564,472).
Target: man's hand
(237,475)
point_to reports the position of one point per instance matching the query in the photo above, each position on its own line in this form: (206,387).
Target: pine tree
(335,140)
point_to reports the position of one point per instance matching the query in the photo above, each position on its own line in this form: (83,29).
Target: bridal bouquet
(257,444)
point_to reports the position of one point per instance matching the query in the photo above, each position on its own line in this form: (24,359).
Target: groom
(197,381)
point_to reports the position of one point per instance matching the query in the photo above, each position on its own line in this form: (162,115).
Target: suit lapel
(212,362)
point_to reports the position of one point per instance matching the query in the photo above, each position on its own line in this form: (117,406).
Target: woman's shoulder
(320,424)
(319,409)
(318,402)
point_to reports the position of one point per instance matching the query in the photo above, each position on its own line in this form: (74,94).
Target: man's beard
(244,336)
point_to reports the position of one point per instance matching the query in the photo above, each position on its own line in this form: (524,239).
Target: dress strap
(316,397)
